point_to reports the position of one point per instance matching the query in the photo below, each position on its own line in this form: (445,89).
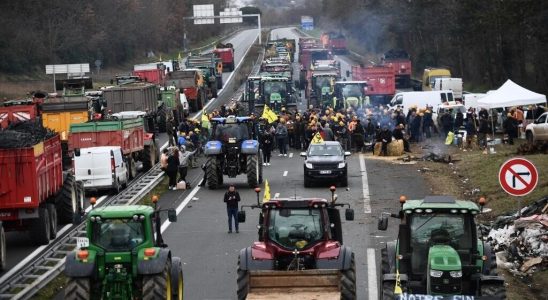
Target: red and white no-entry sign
(518,176)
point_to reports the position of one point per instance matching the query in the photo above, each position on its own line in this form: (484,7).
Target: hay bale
(395,148)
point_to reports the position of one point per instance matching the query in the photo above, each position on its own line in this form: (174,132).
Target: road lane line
(365,184)
(372,274)
(179,208)
(291,155)
(276,195)
(285,173)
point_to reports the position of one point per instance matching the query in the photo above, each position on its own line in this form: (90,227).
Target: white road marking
(285,173)
(365,184)
(179,208)
(372,274)
(291,155)
(276,195)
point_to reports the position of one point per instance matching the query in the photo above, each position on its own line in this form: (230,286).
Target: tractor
(233,149)
(278,92)
(123,256)
(300,251)
(439,252)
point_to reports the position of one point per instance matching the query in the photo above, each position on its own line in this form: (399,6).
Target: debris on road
(443,158)
(521,243)
(528,148)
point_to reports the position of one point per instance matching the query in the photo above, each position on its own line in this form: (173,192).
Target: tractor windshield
(295,228)
(118,234)
(431,229)
(274,91)
(352,90)
(231,132)
(324,83)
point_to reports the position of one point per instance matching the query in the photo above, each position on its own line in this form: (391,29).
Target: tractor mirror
(241,216)
(383,223)
(172,215)
(349,214)
(77,152)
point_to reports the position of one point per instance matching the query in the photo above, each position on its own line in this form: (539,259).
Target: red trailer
(34,190)
(156,76)
(381,82)
(226,53)
(400,61)
(14,113)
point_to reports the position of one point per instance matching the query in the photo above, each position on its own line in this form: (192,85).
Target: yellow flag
(397,288)
(317,139)
(266,196)
(269,115)
(205,120)
(179,58)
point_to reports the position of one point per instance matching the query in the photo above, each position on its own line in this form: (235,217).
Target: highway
(210,254)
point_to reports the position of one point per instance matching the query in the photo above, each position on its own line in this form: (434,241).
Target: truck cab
(431,74)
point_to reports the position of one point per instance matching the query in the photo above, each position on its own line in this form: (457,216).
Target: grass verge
(52,289)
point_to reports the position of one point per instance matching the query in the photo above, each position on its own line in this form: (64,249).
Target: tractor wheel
(158,286)
(2,249)
(388,290)
(348,281)
(307,181)
(243,282)
(40,228)
(260,167)
(78,289)
(493,290)
(52,211)
(212,176)
(149,157)
(132,169)
(385,265)
(253,170)
(177,282)
(67,200)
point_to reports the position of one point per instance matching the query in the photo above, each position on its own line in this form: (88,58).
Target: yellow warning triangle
(317,139)
(397,288)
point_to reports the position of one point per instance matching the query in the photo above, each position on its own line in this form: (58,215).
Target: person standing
(511,128)
(172,168)
(266,144)
(184,160)
(231,198)
(163,159)
(281,137)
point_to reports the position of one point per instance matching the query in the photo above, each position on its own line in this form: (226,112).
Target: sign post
(518,177)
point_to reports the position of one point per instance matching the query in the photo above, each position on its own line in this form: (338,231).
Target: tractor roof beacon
(124,257)
(439,251)
(300,250)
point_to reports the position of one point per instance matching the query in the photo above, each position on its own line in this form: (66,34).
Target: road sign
(202,12)
(67,68)
(518,176)
(230,15)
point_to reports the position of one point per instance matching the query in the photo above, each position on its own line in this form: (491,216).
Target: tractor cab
(350,94)
(438,251)
(323,86)
(277,92)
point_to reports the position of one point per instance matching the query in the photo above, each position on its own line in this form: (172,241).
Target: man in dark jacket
(358,135)
(385,138)
(231,198)
(399,135)
(511,128)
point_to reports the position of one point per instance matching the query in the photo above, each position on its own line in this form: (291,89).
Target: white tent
(511,94)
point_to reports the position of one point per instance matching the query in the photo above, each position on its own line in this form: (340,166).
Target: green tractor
(438,252)
(123,256)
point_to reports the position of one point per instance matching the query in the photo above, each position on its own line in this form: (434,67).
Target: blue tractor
(232,150)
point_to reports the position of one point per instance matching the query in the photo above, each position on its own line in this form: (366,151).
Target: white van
(452,84)
(432,98)
(101,168)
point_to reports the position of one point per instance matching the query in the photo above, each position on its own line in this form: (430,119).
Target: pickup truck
(538,131)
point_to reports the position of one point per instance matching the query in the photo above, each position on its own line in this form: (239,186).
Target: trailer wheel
(348,281)
(78,289)
(67,200)
(52,211)
(243,282)
(388,290)
(2,249)
(212,176)
(158,286)
(149,157)
(177,281)
(132,169)
(253,170)
(493,290)
(40,229)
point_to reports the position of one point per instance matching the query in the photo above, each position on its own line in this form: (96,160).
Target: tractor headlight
(92,219)
(341,165)
(308,165)
(456,274)
(436,273)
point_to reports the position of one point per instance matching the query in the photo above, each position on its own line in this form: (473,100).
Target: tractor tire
(149,157)
(385,265)
(387,292)
(67,200)
(211,174)
(177,282)
(214,90)
(348,281)
(490,264)
(52,211)
(243,282)
(307,182)
(2,249)
(78,289)
(253,170)
(158,286)
(132,169)
(40,229)
(493,290)
(161,119)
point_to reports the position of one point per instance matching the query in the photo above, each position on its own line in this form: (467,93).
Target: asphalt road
(210,254)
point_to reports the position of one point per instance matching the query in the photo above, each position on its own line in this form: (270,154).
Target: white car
(101,168)
(538,131)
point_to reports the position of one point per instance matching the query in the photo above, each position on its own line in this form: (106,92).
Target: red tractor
(300,251)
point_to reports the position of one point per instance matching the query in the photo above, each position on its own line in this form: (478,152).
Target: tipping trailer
(381,82)
(226,53)
(128,134)
(212,70)
(400,61)
(190,82)
(15,111)
(35,193)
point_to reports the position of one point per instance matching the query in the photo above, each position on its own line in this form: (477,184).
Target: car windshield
(325,150)
(230,132)
(118,234)
(295,228)
(431,229)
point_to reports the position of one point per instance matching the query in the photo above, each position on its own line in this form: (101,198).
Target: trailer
(156,76)
(190,82)
(226,53)
(381,82)
(15,111)
(129,134)
(34,191)
(400,61)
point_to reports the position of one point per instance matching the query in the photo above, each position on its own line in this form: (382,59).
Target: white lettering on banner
(406,296)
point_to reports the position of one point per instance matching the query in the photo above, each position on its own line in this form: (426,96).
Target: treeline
(483,41)
(34,33)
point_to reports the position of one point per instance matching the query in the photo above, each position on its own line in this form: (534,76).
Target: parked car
(101,168)
(325,161)
(538,131)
